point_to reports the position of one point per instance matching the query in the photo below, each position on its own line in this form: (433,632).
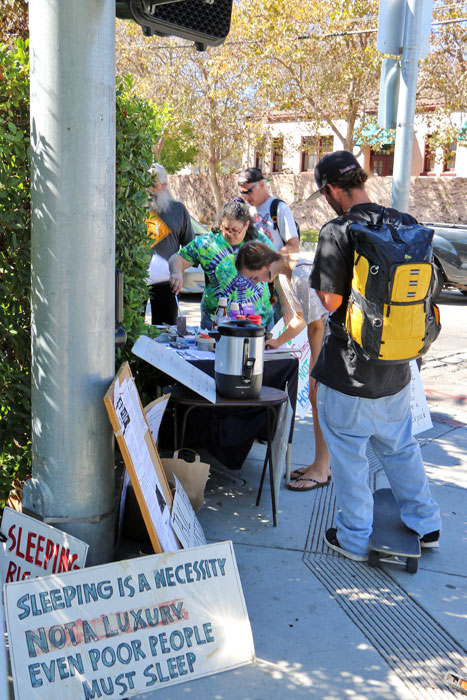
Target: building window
(449,160)
(382,160)
(429,159)
(313,148)
(277,154)
(259,160)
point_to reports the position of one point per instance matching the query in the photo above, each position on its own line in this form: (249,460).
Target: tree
(442,83)
(316,59)
(209,93)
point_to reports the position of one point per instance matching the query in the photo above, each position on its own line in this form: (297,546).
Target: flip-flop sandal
(316,484)
(297,473)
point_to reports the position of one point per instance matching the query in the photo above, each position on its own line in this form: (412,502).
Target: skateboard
(391,540)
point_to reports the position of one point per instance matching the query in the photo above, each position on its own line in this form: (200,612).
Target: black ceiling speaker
(206,22)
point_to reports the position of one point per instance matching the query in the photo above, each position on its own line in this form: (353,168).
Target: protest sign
(299,348)
(421,419)
(141,459)
(124,628)
(184,521)
(175,366)
(33,548)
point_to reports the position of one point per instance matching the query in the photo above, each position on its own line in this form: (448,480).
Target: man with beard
(169,228)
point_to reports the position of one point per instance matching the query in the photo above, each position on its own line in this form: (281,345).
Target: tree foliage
(207,94)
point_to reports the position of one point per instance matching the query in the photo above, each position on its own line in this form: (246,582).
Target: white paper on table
(175,366)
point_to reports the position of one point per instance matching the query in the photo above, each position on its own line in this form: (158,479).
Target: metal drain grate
(410,641)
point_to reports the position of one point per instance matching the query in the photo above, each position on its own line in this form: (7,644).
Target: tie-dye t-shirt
(217,258)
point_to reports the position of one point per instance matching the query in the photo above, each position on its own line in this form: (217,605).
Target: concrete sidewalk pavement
(326,627)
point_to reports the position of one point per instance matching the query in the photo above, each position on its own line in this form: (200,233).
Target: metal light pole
(72,50)
(406,105)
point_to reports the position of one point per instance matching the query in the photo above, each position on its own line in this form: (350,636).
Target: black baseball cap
(331,167)
(250,175)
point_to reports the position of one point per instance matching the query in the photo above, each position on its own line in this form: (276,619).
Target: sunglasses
(249,190)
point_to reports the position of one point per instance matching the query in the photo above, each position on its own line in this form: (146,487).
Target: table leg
(288,462)
(269,462)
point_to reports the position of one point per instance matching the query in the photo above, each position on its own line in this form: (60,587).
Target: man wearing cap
(253,189)
(169,228)
(361,401)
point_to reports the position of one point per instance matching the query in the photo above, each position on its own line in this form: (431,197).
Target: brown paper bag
(192,475)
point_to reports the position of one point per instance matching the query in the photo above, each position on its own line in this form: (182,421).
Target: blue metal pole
(406,107)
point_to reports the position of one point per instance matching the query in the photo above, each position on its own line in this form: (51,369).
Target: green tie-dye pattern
(216,257)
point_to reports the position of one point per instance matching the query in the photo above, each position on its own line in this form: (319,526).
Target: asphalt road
(444,368)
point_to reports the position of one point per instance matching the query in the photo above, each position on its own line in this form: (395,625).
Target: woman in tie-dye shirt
(216,252)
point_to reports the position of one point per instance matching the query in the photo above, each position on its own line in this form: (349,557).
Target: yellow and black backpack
(390,314)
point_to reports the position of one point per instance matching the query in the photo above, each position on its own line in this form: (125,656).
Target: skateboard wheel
(411,565)
(373,558)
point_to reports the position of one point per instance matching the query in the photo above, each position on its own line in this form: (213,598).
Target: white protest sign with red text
(33,548)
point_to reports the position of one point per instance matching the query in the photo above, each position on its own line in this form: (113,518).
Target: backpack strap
(273,212)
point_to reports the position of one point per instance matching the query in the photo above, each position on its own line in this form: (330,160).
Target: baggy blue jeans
(348,424)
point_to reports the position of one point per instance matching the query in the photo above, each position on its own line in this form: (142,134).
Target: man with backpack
(274,218)
(362,398)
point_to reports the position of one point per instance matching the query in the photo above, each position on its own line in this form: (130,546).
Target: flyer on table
(127,627)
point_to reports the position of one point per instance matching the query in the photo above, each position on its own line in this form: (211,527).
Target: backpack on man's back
(390,313)
(273,212)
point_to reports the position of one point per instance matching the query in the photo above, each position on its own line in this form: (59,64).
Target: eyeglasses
(232,230)
(249,190)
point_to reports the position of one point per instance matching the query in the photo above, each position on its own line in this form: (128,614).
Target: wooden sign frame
(159,478)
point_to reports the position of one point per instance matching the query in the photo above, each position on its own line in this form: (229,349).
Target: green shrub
(15,216)
(138,127)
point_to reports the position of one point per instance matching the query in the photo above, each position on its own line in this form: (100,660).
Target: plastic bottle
(248,309)
(148,314)
(234,310)
(221,312)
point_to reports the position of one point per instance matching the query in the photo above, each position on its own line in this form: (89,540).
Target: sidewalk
(326,627)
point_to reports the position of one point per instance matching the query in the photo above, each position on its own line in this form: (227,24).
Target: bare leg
(319,470)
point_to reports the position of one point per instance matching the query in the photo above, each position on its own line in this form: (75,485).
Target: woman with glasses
(216,252)
(261,264)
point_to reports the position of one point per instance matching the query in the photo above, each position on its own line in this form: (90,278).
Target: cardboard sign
(141,459)
(421,419)
(299,348)
(33,548)
(184,520)
(279,446)
(175,366)
(128,627)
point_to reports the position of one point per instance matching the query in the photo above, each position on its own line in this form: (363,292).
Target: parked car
(450,256)
(193,277)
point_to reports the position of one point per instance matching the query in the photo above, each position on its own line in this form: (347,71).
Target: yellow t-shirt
(156,228)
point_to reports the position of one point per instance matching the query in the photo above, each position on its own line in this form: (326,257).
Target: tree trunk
(214,182)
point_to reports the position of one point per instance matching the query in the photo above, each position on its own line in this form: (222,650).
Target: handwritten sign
(279,446)
(299,348)
(141,459)
(184,521)
(421,419)
(124,628)
(175,366)
(33,548)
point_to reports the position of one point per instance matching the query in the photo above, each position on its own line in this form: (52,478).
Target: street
(444,368)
